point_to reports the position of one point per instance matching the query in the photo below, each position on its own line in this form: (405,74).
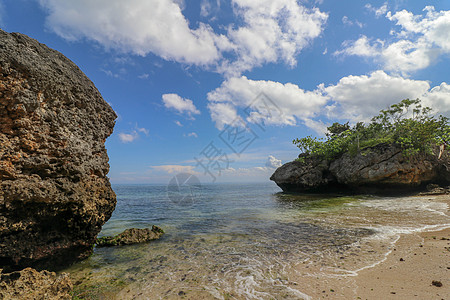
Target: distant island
(402,150)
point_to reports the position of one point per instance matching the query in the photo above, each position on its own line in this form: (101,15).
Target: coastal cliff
(380,169)
(54,192)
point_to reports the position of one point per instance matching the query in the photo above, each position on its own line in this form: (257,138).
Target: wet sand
(408,272)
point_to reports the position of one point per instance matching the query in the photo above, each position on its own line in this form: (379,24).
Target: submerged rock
(131,236)
(31,284)
(380,169)
(54,192)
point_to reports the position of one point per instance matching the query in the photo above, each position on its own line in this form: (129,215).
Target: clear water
(245,241)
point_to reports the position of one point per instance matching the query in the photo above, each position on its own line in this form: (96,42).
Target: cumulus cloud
(135,26)
(378,11)
(271,30)
(439,98)
(434,27)
(128,137)
(269,101)
(182,106)
(361,47)
(178,123)
(354,98)
(358,98)
(222,114)
(273,162)
(134,135)
(421,40)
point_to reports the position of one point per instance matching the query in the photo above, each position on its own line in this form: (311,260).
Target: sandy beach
(409,271)
(417,266)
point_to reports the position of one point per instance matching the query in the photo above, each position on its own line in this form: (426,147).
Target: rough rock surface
(379,169)
(31,284)
(54,193)
(310,175)
(131,236)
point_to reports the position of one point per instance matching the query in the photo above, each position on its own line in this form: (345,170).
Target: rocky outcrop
(380,169)
(31,284)
(54,193)
(310,175)
(131,236)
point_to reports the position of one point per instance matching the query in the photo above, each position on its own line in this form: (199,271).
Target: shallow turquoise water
(244,241)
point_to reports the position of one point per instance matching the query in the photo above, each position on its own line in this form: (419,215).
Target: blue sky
(221,88)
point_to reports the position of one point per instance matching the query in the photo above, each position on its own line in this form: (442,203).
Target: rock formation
(54,193)
(131,236)
(31,284)
(380,169)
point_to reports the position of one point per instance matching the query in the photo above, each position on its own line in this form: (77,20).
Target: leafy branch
(407,124)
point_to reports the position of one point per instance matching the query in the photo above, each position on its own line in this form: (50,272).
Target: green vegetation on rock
(413,127)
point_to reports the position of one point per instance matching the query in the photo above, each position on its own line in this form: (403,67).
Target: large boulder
(309,174)
(380,169)
(54,192)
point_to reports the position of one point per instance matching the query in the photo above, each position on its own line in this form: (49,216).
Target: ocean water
(245,241)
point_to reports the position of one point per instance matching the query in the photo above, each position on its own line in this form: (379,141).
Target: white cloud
(273,162)
(318,126)
(142,130)
(182,106)
(135,26)
(358,98)
(360,47)
(271,30)
(175,169)
(434,27)
(191,134)
(354,98)
(421,40)
(128,137)
(178,123)
(439,99)
(222,114)
(348,22)
(284,103)
(205,8)
(134,135)
(378,11)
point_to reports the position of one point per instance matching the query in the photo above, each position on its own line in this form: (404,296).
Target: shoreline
(366,271)
(408,270)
